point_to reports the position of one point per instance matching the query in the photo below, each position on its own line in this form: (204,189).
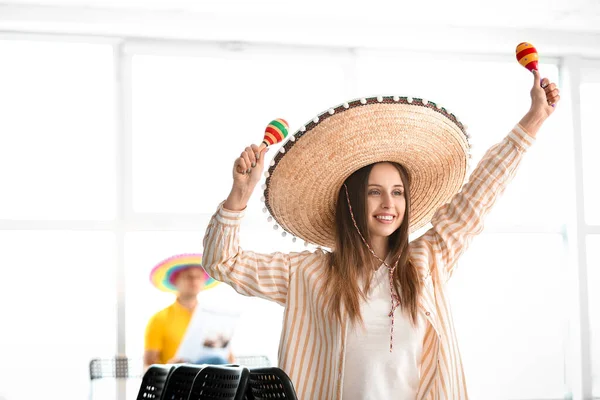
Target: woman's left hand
(544,95)
(544,99)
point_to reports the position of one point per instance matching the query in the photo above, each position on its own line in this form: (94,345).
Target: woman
(370,318)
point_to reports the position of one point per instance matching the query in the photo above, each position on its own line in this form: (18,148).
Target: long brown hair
(351,260)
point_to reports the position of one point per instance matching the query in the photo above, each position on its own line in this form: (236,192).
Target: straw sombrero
(305,176)
(163,275)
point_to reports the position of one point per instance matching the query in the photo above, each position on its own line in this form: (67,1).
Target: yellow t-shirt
(165,330)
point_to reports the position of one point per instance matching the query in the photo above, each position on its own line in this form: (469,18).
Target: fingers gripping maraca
(248,159)
(551,91)
(275,132)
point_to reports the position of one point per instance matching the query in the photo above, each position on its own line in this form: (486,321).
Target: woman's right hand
(247,171)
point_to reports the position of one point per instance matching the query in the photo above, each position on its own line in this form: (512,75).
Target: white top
(371,371)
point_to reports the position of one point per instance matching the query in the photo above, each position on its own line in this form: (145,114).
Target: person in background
(183,276)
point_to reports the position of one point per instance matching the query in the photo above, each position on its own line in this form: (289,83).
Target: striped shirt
(312,345)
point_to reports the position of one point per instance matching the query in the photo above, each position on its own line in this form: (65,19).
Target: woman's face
(385,200)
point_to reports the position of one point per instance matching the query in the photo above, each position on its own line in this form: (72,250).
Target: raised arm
(249,273)
(457,222)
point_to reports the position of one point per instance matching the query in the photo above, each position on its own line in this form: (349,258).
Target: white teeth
(385,217)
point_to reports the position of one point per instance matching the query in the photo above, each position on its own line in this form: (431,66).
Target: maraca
(276,131)
(527,56)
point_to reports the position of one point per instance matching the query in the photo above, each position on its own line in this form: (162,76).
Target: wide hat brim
(163,274)
(306,175)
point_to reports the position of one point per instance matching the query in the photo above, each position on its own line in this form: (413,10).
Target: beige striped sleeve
(457,222)
(249,273)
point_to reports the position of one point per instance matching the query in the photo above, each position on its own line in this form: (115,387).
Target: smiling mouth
(385,218)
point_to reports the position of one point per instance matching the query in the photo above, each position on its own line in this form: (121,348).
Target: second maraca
(527,56)
(275,132)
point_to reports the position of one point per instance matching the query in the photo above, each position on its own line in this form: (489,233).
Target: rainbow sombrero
(163,275)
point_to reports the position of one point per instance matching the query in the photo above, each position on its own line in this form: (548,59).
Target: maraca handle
(262,146)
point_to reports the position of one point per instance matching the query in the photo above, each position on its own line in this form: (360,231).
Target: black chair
(220,382)
(269,383)
(154,381)
(116,368)
(180,382)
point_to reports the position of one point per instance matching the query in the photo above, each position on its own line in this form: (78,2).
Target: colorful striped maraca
(527,56)
(276,131)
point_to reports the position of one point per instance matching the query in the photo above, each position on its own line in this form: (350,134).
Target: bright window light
(510,314)
(590,126)
(58,305)
(192,116)
(57,131)
(593,272)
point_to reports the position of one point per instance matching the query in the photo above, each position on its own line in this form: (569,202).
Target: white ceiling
(560,26)
(571,15)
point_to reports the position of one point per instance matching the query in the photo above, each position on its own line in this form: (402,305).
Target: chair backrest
(180,382)
(117,367)
(154,382)
(220,382)
(269,383)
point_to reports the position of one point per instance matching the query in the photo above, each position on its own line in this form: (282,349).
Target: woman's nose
(386,201)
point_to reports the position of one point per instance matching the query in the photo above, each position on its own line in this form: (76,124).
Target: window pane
(510,315)
(57,145)
(58,311)
(593,271)
(590,125)
(260,325)
(192,116)
(465,87)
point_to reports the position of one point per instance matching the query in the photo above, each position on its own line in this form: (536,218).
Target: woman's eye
(374,192)
(398,193)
